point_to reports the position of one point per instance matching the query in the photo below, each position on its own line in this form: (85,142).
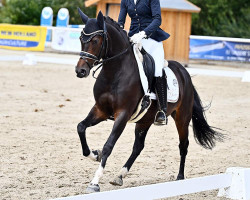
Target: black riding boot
(161,92)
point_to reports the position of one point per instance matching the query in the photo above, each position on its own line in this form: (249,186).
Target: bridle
(98,59)
(84,54)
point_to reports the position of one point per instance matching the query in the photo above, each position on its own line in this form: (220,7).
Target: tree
(23,12)
(225,18)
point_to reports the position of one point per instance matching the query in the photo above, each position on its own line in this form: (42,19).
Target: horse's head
(93,41)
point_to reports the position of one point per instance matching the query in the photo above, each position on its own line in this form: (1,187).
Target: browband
(99,31)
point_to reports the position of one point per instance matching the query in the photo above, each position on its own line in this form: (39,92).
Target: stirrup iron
(163,122)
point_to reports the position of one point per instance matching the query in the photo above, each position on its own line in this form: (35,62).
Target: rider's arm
(123,14)
(156,14)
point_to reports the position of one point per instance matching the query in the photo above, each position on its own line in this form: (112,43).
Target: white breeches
(155,49)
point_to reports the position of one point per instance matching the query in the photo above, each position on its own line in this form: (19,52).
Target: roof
(181,5)
(175,5)
(91,2)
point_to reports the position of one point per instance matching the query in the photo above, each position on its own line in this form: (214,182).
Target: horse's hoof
(180,177)
(117,181)
(92,188)
(98,153)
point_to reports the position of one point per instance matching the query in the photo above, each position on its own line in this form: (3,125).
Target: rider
(145,29)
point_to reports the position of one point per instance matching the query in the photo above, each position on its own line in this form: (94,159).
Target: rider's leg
(155,49)
(161,93)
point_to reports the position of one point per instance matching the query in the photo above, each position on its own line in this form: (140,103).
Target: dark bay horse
(118,90)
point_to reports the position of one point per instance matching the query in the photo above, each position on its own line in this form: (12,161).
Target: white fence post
(246,76)
(240,185)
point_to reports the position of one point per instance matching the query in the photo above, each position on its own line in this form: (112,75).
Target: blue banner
(18,43)
(219,50)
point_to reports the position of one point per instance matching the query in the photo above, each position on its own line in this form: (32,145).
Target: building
(176,20)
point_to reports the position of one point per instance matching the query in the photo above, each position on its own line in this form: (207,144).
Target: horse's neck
(121,74)
(116,41)
(118,44)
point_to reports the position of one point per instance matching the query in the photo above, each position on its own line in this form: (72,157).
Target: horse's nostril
(83,71)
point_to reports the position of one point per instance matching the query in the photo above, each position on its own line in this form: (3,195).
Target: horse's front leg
(119,125)
(94,117)
(140,135)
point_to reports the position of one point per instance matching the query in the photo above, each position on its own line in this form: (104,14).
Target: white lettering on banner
(15,43)
(214,57)
(242,47)
(18,34)
(239,53)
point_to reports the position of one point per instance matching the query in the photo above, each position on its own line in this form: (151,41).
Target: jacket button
(136,15)
(135,9)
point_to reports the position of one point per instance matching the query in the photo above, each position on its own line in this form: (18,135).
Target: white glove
(136,38)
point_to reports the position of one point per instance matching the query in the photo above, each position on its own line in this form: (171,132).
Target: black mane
(115,24)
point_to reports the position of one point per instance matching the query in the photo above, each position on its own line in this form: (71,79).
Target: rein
(103,61)
(97,59)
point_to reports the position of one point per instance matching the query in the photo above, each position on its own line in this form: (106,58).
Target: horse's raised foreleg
(140,135)
(119,125)
(94,117)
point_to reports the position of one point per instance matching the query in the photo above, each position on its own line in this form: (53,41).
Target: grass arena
(41,155)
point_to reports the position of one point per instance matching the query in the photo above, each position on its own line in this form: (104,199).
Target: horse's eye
(95,41)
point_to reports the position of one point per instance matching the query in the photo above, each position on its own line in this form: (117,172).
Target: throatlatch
(161,93)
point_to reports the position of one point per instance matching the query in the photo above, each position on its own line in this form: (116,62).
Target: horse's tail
(204,134)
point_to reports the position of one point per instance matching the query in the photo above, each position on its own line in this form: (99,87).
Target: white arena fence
(234,184)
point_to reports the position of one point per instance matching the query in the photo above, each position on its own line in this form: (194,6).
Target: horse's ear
(100,20)
(84,17)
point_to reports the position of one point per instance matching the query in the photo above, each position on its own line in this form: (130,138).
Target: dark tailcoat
(145,16)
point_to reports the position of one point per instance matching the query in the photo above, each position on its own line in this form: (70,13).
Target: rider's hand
(136,38)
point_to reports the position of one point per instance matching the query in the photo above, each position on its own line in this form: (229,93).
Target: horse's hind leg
(140,135)
(94,117)
(182,127)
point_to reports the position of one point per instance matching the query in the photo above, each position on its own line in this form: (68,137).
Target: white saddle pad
(173,86)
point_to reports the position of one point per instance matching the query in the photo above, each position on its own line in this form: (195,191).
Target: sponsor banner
(215,48)
(66,39)
(18,37)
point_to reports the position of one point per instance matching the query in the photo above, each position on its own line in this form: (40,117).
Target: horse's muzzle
(82,73)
